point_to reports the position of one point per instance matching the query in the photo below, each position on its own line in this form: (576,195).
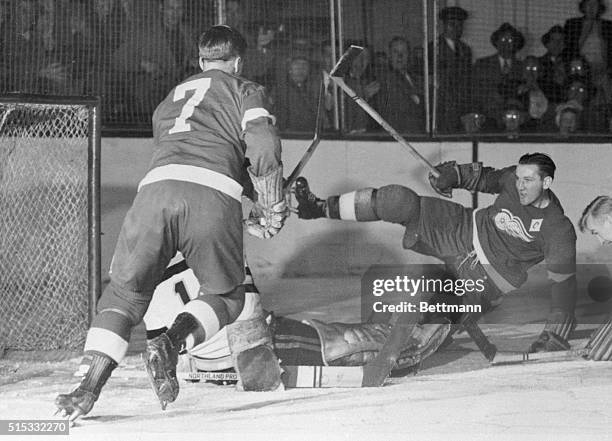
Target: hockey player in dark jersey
(190,201)
(496,244)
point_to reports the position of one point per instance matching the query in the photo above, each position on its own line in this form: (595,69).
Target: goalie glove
(453,175)
(270,211)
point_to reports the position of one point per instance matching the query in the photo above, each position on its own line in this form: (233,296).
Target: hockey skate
(81,400)
(161,359)
(309,206)
(76,403)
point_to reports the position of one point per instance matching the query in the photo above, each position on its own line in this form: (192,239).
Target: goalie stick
(292,376)
(337,74)
(507,357)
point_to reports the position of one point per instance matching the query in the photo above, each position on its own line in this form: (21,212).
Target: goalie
(299,343)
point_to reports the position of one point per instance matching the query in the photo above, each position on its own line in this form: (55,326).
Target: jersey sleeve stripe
(255,113)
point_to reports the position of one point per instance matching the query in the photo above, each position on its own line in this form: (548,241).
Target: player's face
(529,184)
(601,227)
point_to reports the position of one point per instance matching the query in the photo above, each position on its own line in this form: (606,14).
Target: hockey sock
(109,334)
(356,206)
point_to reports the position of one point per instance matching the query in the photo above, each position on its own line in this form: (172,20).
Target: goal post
(50,255)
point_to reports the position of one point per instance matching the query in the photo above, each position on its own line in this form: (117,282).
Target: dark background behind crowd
(513,67)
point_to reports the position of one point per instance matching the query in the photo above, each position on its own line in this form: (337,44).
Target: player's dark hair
(599,206)
(221,43)
(545,164)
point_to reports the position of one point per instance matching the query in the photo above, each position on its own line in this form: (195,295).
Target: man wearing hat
(454,62)
(493,70)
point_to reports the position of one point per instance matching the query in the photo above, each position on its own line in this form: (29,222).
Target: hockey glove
(270,211)
(449,178)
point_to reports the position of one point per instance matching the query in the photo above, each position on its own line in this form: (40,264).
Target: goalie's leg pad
(250,343)
(296,343)
(344,344)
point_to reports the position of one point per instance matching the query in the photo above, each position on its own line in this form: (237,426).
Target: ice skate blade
(157,389)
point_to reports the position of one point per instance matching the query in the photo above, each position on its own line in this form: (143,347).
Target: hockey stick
(346,60)
(337,74)
(311,148)
(292,376)
(487,348)
(522,357)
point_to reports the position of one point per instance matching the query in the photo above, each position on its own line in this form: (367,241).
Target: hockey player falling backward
(190,201)
(496,244)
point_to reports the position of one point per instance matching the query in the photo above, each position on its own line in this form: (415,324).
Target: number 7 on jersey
(200,87)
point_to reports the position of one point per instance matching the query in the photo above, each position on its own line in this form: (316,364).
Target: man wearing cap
(491,71)
(454,63)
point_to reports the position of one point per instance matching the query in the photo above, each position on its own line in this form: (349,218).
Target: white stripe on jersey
(255,113)
(196,175)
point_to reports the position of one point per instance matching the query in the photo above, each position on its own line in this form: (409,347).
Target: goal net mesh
(43,226)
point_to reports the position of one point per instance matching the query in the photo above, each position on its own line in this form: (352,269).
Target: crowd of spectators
(132,58)
(566,90)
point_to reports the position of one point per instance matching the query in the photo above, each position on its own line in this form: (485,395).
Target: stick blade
(344,63)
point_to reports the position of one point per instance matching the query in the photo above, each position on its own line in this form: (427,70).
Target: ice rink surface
(456,395)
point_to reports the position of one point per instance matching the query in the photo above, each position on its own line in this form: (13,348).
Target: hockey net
(49,250)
